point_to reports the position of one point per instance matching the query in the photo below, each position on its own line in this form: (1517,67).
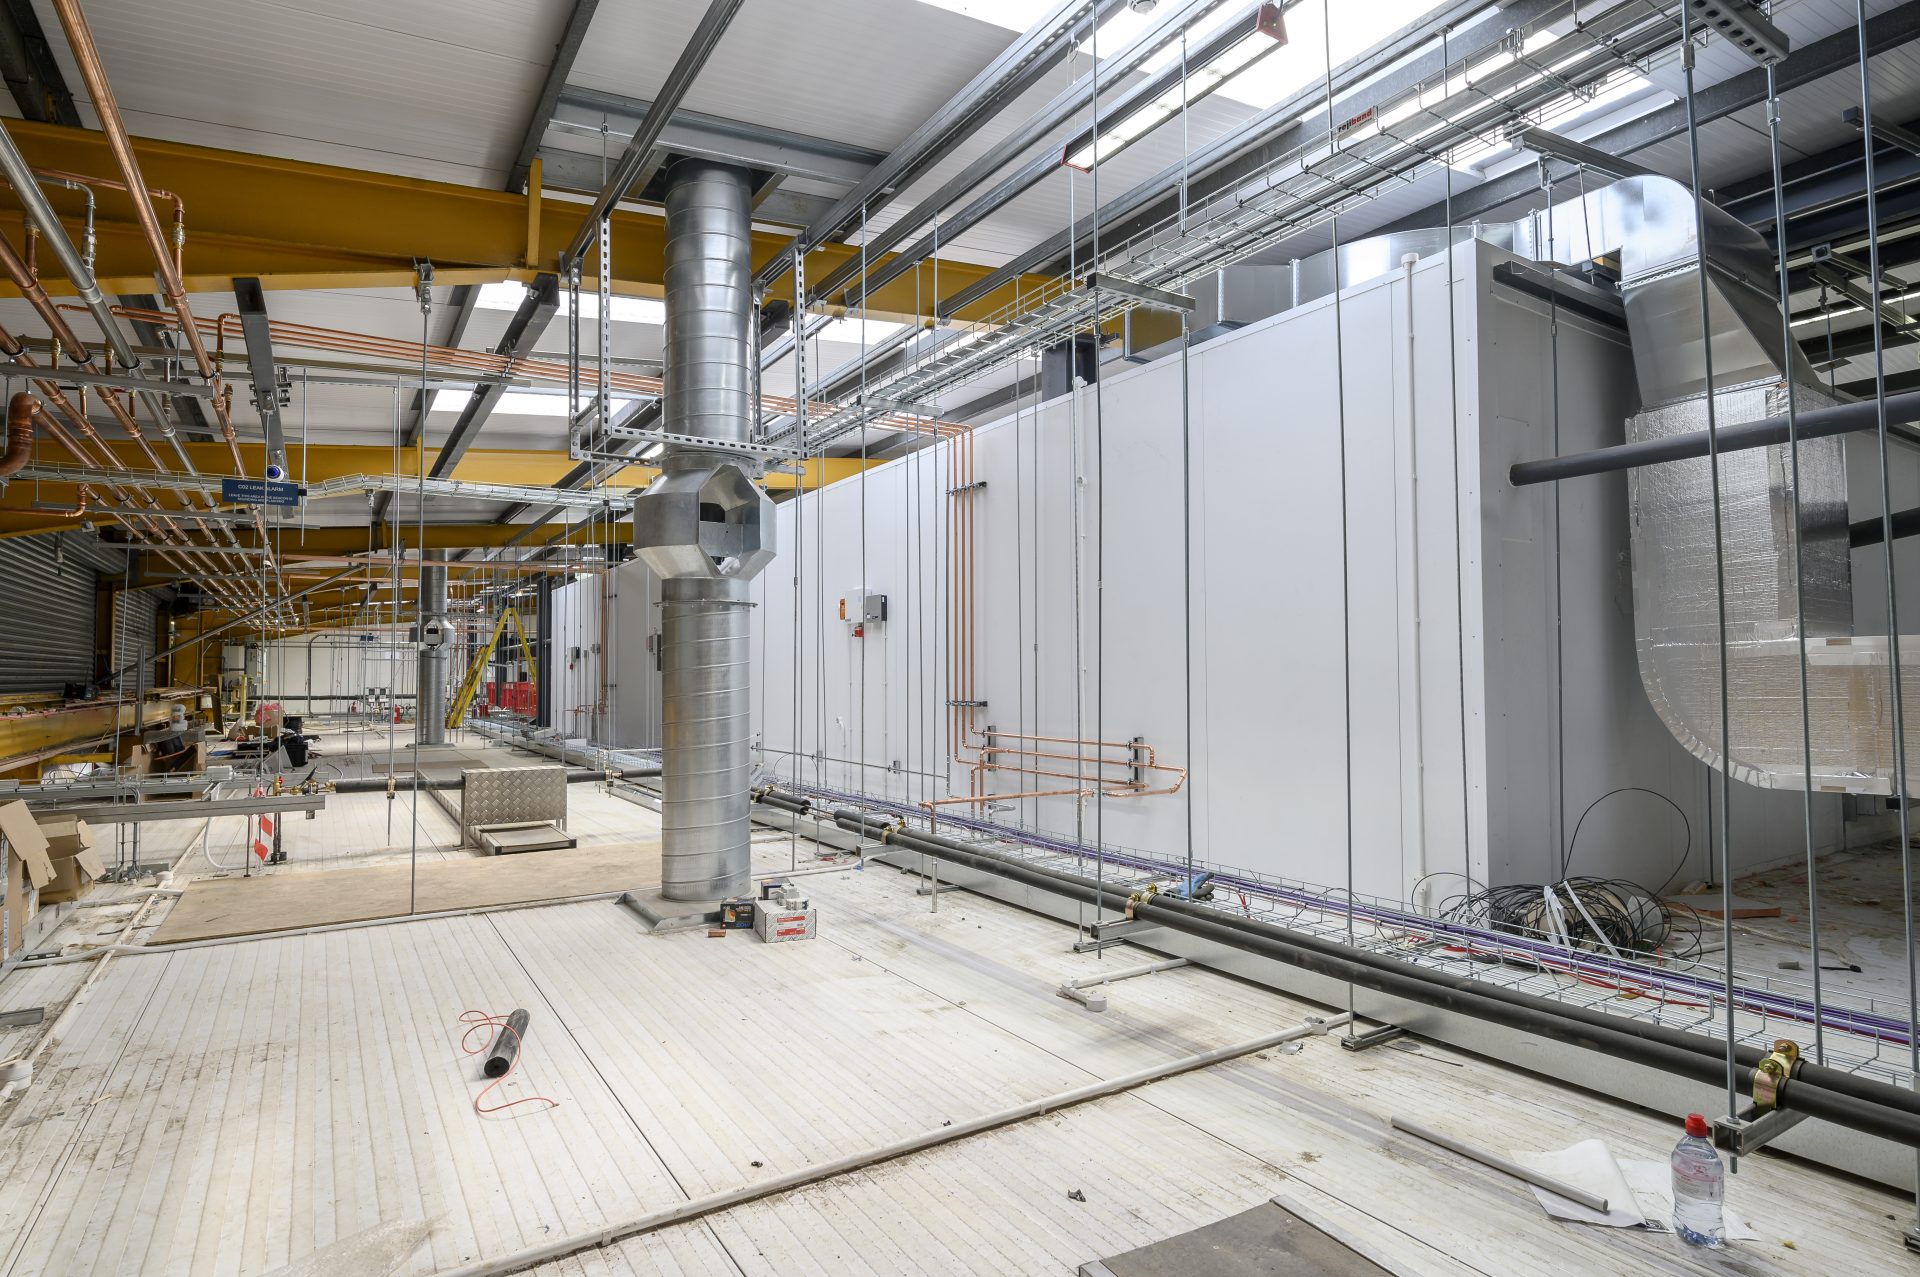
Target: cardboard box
(75,862)
(141,758)
(24,869)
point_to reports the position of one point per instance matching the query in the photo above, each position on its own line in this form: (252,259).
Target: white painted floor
(239,1107)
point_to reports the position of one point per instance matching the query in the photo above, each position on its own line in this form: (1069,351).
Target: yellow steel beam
(299,225)
(44,733)
(527,468)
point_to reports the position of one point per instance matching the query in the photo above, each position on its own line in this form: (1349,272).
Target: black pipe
(1748,1057)
(786,803)
(1906,523)
(506,1044)
(378,784)
(1815,423)
(1873,1107)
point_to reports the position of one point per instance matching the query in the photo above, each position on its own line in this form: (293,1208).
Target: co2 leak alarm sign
(259,492)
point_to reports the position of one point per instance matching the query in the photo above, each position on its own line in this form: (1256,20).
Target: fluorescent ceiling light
(517,403)
(1238,46)
(1355,29)
(507,295)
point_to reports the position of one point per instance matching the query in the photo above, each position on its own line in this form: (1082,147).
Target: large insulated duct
(1652,224)
(430,700)
(705,527)
(1650,227)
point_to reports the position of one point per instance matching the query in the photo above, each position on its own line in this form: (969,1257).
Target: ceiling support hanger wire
(422,669)
(1346,601)
(1799,535)
(1459,538)
(1893,611)
(1719,566)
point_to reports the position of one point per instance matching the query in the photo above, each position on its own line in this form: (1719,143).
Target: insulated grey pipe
(1814,423)
(20,175)
(1874,1108)
(1906,523)
(26,189)
(378,784)
(430,699)
(1748,1057)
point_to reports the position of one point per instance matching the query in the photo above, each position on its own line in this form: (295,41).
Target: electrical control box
(861,609)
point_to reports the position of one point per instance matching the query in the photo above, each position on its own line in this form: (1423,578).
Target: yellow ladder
(477,673)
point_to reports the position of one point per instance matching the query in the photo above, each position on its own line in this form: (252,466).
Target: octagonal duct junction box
(708,521)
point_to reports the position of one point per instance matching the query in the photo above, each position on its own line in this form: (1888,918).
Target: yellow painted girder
(530,468)
(32,734)
(527,467)
(298,225)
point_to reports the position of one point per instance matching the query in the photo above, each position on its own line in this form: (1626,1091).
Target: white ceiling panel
(439,89)
(865,72)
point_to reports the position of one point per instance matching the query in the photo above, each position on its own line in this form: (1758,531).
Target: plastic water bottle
(1699,1187)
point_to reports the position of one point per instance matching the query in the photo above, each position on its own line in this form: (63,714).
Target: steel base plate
(662,914)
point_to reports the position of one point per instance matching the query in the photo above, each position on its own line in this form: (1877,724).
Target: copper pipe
(482,363)
(86,57)
(22,276)
(109,184)
(65,338)
(141,522)
(79,510)
(20,413)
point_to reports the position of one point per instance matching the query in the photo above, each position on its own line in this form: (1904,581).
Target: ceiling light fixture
(1239,45)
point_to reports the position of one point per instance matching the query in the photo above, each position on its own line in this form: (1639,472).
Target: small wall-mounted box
(864,607)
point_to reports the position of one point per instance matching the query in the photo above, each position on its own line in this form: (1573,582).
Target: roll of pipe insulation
(1875,1108)
(506,1044)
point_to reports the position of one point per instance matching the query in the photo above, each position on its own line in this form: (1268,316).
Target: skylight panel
(506,295)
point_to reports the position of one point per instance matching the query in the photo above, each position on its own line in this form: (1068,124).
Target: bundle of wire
(1600,915)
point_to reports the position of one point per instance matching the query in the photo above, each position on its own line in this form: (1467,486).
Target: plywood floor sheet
(234,1108)
(232,906)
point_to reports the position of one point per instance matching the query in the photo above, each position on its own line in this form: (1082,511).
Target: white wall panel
(325,673)
(1438,660)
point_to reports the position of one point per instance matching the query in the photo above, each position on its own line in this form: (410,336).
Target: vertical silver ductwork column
(706,528)
(430,691)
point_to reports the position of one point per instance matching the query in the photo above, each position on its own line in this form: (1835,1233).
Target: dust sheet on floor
(216,907)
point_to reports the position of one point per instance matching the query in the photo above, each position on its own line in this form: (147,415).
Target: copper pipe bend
(21,410)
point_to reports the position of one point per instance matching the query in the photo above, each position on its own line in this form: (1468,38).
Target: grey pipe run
(1906,523)
(430,718)
(1858,1103)
(705,528)
(404,780)
(1814,423)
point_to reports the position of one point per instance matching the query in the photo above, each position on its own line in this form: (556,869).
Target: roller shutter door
(47,638)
